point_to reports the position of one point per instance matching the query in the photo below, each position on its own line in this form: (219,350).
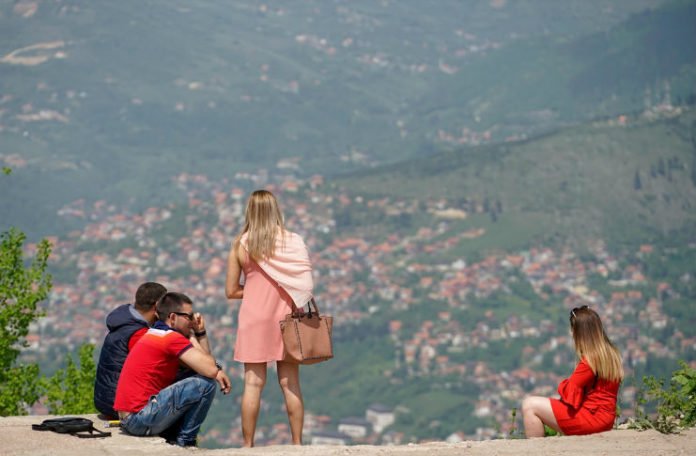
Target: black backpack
(71,425)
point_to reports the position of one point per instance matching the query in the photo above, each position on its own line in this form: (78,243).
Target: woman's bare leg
(537,412)
(254,381)
(289,380)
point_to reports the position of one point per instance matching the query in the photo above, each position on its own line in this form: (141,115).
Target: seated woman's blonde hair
(593,344)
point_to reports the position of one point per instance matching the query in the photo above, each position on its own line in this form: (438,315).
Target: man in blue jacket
(126,324)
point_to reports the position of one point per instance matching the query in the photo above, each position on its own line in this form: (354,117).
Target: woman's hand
(233,290)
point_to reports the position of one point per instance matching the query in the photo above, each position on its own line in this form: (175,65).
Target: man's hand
(198,323)
(224,382)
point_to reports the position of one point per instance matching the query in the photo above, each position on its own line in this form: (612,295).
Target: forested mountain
(102,99)
(625,179)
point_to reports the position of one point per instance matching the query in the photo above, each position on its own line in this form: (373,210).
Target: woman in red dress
(588,398)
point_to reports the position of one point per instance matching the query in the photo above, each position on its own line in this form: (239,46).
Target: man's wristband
(200,334)
(218,365)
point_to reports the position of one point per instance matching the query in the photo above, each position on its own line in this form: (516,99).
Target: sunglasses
(189,316)
(575,309)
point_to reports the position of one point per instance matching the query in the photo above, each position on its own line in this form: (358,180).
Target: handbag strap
(91,434)
(311,303)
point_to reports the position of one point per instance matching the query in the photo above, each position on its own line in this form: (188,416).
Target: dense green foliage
(21,289)
(71,390)
(674,402)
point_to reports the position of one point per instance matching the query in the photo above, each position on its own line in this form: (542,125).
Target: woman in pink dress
(277,274)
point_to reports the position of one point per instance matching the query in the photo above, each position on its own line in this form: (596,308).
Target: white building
(380,416)
(355,427)
(329,438)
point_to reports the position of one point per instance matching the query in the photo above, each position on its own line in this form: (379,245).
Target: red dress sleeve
(572,390)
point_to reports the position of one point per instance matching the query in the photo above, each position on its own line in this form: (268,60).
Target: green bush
(23,285)
(70,390)
(674,403)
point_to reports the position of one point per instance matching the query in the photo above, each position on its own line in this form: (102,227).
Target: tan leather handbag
(307,336)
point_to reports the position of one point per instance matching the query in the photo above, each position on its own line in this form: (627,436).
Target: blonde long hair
(592,344)
(263,221)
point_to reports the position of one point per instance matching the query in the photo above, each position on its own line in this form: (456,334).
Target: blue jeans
(178,411)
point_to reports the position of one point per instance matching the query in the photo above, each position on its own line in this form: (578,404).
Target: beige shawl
(289,267)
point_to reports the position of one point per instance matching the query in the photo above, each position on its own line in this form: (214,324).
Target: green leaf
(681,379)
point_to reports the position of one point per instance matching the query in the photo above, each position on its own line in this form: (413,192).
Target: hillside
(626,180)
(448,309)
(539,84)
(97,97)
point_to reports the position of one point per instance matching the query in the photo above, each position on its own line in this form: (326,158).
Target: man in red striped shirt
(149,400)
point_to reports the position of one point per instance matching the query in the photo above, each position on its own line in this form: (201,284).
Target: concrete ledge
(18,439)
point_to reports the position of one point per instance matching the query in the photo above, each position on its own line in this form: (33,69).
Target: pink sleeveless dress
(264,305)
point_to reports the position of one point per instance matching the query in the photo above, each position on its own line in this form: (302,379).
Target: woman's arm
(233,290)
(572,390)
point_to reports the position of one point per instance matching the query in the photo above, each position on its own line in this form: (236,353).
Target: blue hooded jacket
(122,322)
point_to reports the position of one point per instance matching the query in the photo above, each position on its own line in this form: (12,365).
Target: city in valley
(471,337)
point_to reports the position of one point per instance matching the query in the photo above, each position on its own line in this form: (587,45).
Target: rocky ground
(17,438)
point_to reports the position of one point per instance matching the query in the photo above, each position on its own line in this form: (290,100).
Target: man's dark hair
(171,302)
(147,295)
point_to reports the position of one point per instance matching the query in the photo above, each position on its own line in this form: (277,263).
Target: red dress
(587,404)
